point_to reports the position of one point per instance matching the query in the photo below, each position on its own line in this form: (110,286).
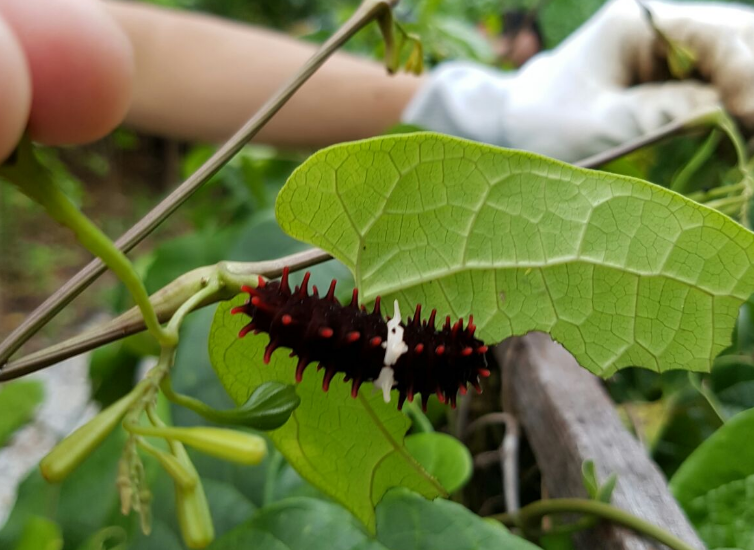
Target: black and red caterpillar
(415,357)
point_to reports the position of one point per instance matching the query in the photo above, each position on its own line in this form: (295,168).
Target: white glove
(603,86)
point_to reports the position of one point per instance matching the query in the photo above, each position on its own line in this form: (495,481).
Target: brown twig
(507,453)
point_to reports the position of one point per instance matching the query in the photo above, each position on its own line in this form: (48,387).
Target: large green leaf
(620,271)
(350,449)
(405,521)
(715,485)
(299,524)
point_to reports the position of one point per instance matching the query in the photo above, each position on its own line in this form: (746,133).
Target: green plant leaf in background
(18,401)
(40,534)
(299,524)
(715,485)
(620,271)
(405,521)
(443,456)
(350,449)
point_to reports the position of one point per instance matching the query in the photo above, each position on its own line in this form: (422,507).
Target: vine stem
(26,173)
(530,513)
(365,13)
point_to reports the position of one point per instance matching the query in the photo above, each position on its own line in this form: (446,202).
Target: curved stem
(37,183)
(537,510)
(681,181)
(419,420)
(166,302)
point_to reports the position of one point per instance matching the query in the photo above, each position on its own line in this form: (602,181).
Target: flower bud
(71,451)
(191,506)
(232,445)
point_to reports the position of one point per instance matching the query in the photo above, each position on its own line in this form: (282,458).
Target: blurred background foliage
(117,180)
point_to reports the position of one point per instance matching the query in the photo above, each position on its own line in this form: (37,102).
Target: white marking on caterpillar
(385,381)
(394,348)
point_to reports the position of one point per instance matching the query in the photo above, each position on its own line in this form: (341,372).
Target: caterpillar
(414,358)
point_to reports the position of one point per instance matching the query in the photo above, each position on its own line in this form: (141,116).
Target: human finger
(81,67)
(15,91)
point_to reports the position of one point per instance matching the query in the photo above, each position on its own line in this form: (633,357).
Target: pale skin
(74,69)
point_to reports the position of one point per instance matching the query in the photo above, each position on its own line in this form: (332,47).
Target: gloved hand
(606,84)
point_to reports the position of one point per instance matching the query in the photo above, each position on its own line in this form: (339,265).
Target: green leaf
(406,521)
(715,485)
(40,534)
(596,490)
(620,271)
(267,408)
(443,456)
(299,524)
(18,400)
(350,449)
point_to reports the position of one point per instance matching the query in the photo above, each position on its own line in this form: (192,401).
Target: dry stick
(367,11)
(126,324)
(507,453)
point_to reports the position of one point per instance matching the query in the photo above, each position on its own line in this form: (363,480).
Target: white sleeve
(465,100)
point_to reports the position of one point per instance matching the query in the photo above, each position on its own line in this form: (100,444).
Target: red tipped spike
(458,327)
(353,336)
(453,401)
(303,362)
(467,351)
(284,287)
(246,330)
(417,315)
(410,394)
(376,341)
(472,327)
(431,320)
(355,385)
(363,308)
(462,388)
(256,301)
(419,348)
(447,323)
(286,319)
(401,400)
(238,309)
(484,373)
(377,306)
(315,291)
(326,332)
(355,298)
(271,347)
(439,350)
(476,385)
(425,400)
(331,292)
(261,283)
(482,349)
(440,395)
(248,290)
(304,289)
(329,373)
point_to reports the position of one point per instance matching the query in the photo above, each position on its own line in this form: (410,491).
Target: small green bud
(71,451)
(191,506)
(231,445)
(183,477)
